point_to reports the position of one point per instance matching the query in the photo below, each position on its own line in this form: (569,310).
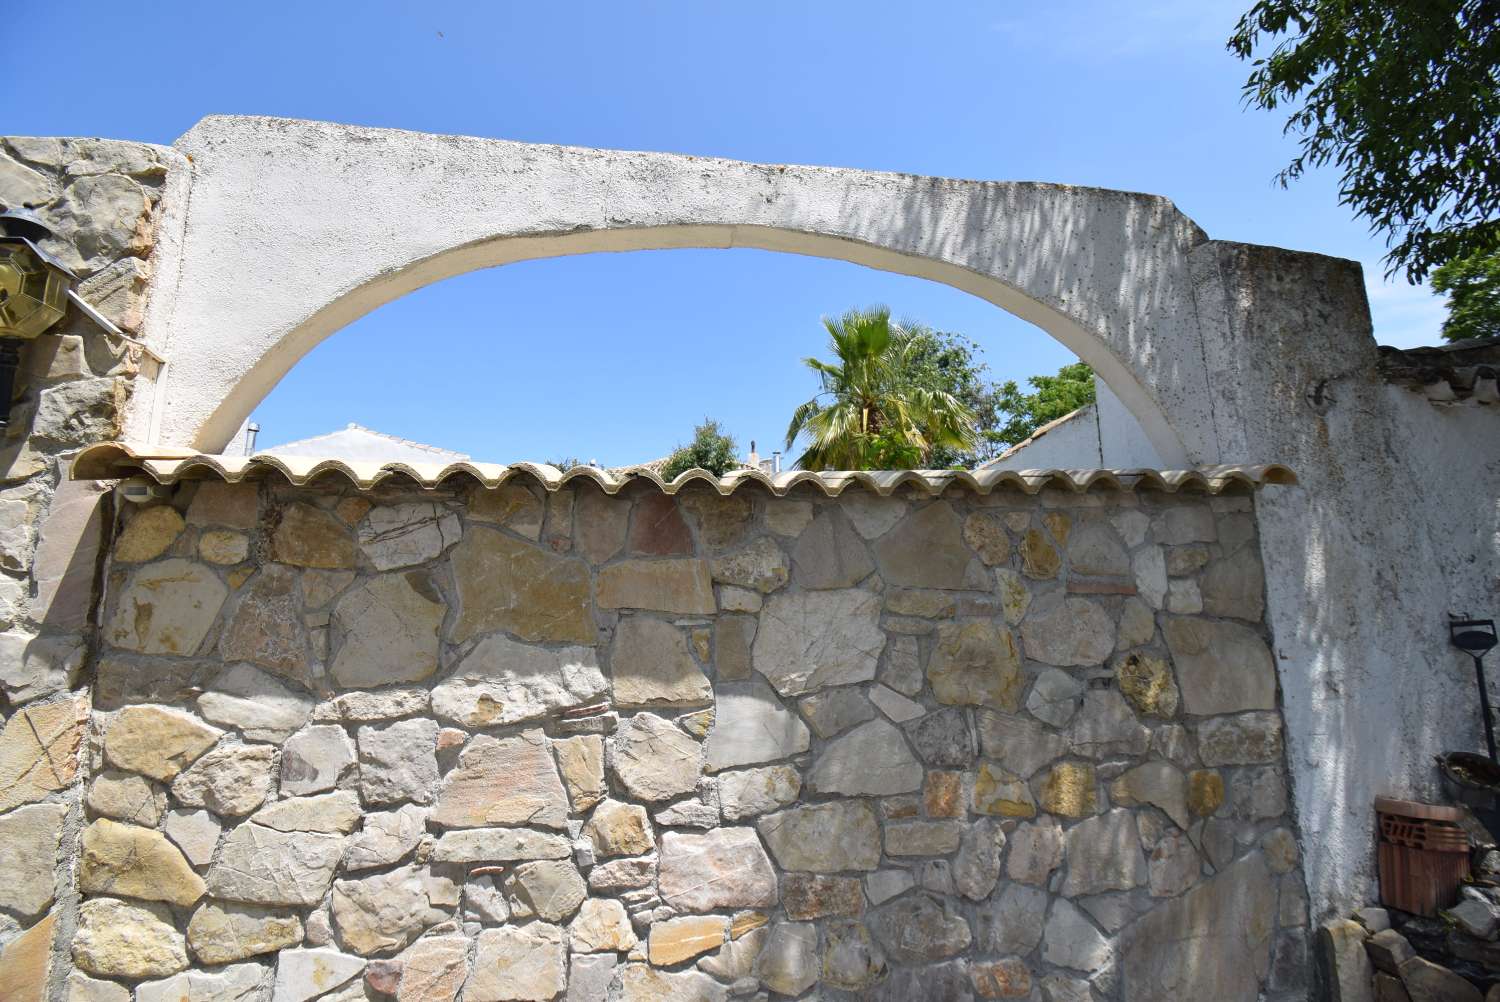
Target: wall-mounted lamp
(1476,638)
(33,294)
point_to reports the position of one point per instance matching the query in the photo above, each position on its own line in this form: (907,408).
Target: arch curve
(291,230)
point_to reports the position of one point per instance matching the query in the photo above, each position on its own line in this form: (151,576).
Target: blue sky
(615,357)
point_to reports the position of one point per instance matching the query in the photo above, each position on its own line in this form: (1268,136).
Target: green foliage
(871,412)
(1054,396)
(1402,97)
(943,361)
(1473,287)
(565,463)
(709,450)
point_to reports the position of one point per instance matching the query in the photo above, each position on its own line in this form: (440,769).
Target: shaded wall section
(538,745)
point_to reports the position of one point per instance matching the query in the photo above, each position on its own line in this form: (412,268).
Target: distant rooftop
(355,443)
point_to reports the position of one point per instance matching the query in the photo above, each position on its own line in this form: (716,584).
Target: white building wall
(1101,434)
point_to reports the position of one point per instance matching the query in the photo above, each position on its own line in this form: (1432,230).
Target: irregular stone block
(389,624)
(232,780)
(28,853)
(1067,631)
(1070,940)
(266,625)
(654,760)
(1106,726)
(824,838)
(1036,849)
(498,845)
(976,663)
(788,963)
(166,608)
(314,759)
(1221,667)
(329,813)
(1157,783)
(385,838)
(308,536)
(601,924)
(135,862)
(1055,697)
(752,792)
(222,933)
(760,567)
(305,974)
(834,711)
(927,551)
(406,534)
(398,762)
(871,760)
(650,665)
(943,739)
(1104,854)
(1148,683)
(503,781)
(261,708)
(1244,740)
(118,939)
(156,741)
(678,939)
(808,640)
(433,969)
(722,868)
(263,866)
(641,983)
(918,929)
(677,585)
(525,963)
(828,554)
(386,911)
(1070,789)
(507,584)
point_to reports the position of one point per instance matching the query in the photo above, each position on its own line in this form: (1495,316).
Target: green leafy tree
(1473,286)
(870,412)
(1402,97)
(1052,397)
(709,450)
(950,362)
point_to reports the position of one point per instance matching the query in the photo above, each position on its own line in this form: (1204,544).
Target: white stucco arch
(291,230)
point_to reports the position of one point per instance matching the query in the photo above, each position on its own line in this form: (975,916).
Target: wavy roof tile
(114,460)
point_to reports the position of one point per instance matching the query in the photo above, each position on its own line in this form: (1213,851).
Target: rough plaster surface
(1104,272)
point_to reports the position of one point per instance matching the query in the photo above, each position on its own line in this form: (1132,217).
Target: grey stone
(918,928)
(943,739)
(1067,631)
(32,667)
(397,761)
(1257,794)
(1235,586)
(196,833)
(589,976)
(733,638)
(232,780)
(502,681)
(700,811)
(368,706)
(824,838)
(1058,988)
(386,838)
(237,983)
(750,792)
(788,963)
(549,889)
(389,625)
(264,866)
(314,759)
(221,933)
(650,665)
(641,983)
(504,583)
(722,868)
(922,838)
(902,669)
(262,708)
(1157,783)
(1013,921)
(126,797)
(1248,739)
(882,885)
(654,760)
(1429,982)
(1174,865)
(976,868)
(305,974)
(1094,550)
(927,550)
(82,988)
(1221,667)
(623,874)
(28,853)
(834,711)
(1036,849)
(829,554)
(871,760)
(1184,524)
(760,567)
(1106,726)
(1104,854)
(1149,566)
(498,845)
(1212,942)
(751,725)
(402,535)
(871,514)
(948,982)
(1071,940)
(1387,949)
(1055,697)
(808,640)
(1137,625)
(895,706)
(329,813)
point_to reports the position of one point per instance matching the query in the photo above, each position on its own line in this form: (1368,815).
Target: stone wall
(519,745)
(104,200)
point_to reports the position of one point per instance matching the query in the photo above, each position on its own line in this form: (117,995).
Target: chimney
(251,430)
(776,461)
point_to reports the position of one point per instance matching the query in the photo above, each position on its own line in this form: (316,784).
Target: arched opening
(263,376)
(614,357)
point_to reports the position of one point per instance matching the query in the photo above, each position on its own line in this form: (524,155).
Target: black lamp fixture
(34,289)
(1476,638)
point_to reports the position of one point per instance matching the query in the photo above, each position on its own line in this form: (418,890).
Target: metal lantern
(34,290)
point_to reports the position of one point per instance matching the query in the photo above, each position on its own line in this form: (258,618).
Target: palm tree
(870,414)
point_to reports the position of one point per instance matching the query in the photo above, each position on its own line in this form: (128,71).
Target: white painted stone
(751,725)
(502,681)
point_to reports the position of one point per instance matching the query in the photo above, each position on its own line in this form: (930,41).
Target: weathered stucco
(574,745)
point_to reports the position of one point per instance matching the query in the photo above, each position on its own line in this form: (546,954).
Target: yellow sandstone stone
(1038,557)
(1069,790)
(679,939)
(999,792)
(1205,792)
(149,534)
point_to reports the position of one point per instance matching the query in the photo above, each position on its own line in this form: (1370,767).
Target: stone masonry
(104,200)
(518,745)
